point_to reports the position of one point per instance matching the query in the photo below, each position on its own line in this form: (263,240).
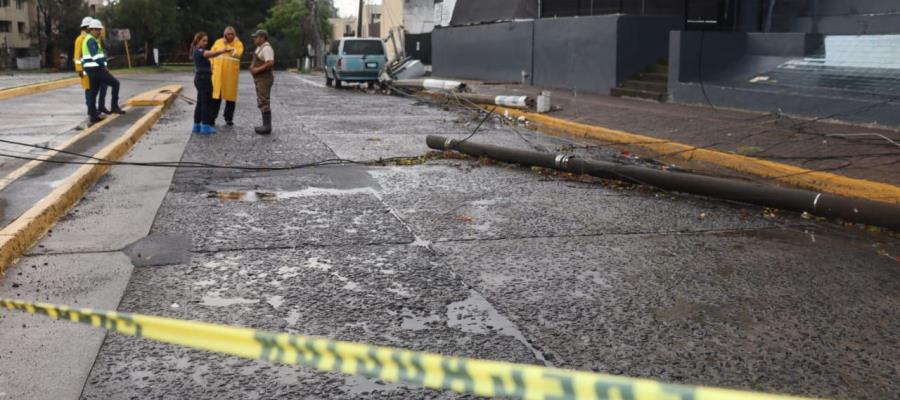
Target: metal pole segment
(359,20)
(821,204)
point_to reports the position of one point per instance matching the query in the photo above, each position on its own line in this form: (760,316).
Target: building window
(23,30)
(4,3)
(5,26)
(20,4)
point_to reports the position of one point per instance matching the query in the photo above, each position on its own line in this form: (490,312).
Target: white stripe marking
(314,83)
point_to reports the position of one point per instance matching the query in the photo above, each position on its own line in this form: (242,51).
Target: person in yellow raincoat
(226,70)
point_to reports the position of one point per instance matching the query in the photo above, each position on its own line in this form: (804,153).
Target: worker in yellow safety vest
(226,70)
(93,60)
(85,81)
(76,55)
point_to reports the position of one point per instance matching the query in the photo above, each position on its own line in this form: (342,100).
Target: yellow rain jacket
(226,69)
(76,55)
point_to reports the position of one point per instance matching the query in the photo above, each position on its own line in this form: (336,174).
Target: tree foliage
(213,16)
(59,22)
(150,21)
(291,27)
(171,24)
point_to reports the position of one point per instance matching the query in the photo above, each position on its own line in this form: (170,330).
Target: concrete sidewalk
(815,145)
(16,79)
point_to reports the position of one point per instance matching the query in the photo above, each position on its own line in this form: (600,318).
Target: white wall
(443,12)
(418,16)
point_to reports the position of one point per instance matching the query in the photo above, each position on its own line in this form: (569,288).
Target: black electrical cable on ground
(475,108)
(800,124)
(188,164)
(700,70)
(201,165)
(475,131)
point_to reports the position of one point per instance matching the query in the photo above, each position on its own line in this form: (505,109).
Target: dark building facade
(806,57)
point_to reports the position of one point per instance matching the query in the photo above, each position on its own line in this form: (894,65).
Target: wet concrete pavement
(470,258)
(10,80)
(51,118)
(79,263)
(20,195)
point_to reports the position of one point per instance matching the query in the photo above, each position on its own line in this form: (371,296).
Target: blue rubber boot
(207,129)
(196,128)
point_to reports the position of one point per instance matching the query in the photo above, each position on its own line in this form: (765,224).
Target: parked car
(354,60)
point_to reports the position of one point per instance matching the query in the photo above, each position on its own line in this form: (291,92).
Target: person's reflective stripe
(88,60)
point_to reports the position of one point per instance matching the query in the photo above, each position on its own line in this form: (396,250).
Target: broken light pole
(815,203)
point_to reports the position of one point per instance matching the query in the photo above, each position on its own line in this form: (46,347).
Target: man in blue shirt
(93,60)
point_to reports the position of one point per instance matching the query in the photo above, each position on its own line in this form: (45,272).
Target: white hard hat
(86,22)
(95,24)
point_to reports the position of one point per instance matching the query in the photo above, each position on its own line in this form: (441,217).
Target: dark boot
(266,127)
(117,110)
(95,119)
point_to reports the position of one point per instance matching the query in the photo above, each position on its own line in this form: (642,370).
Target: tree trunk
(316,35)
(49,62)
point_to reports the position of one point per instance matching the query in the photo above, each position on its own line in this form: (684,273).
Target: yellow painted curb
(20,235)
(783,173)
(163,96)
(41,87)
(35,88)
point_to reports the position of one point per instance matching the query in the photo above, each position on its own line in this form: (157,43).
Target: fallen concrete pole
(505,101)
(430,84)
(821,204)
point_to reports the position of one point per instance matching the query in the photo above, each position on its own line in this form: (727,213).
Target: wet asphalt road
(469,258)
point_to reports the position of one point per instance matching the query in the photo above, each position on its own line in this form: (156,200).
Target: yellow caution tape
(462,375)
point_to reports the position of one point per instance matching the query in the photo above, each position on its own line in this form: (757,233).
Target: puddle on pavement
(360,385)
(275,301)
(215,299)
(413,322)
(254,196)
(472,315)
(293,318)
(476,315)
(851,239)
(419,242)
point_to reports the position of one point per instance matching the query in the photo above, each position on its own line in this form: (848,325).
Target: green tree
(59,22)
(171,24)
(151,22)
(290,27)
(212,16)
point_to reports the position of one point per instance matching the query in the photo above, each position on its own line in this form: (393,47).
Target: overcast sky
(349,8)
